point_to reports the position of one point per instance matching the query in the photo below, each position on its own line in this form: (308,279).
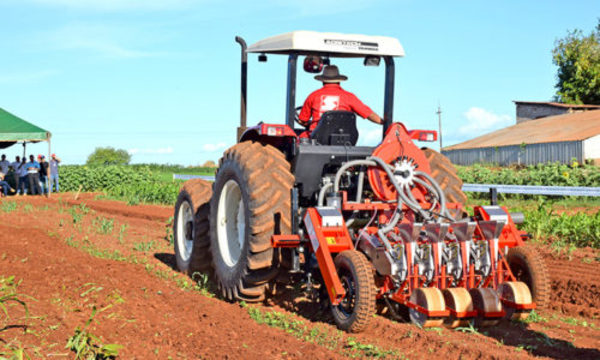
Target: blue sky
(160,78)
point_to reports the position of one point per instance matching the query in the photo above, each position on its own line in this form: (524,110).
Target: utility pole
(439,114)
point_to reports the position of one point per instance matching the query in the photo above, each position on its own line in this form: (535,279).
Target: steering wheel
(297,117)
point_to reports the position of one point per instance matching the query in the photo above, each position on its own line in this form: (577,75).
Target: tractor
(364,229)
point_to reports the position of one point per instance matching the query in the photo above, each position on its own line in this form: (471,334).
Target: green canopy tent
(15,130)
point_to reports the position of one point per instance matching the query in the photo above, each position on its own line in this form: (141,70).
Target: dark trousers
(22,184)
(16,178)
(34,184)
(44,182)
(5,187)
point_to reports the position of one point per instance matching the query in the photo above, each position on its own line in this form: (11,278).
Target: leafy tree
(209,163)
(578,60)
(108,156)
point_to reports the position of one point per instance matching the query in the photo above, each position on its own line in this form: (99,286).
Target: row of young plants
(134,184)
(554,174)
(579,229)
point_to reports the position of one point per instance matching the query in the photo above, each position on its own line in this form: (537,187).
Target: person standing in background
(43,173)
(22,176)
(54,161)
(33,176)
(16,165)
(4,164)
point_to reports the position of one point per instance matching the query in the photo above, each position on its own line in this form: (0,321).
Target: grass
(103,225)
(8,206)
(534,317)
(144,246)
(75,214)
(349,347)
(87,346)
(8,296)
(122,231)
(88,247)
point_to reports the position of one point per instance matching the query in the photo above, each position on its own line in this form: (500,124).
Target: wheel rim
(231,223)
(346,306)
(185,230)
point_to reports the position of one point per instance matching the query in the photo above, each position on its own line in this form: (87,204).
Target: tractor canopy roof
(332,44)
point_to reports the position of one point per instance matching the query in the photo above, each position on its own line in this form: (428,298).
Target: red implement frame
(324,241)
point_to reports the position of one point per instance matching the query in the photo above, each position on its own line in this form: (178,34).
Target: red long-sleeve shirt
(331,97)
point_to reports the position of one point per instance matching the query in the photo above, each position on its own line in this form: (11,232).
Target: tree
(108,156)
(578,60)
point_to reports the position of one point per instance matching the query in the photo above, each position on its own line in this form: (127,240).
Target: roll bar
(388,103)
(244,75)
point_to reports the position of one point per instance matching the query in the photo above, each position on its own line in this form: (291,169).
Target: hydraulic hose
(346,166)
(322,193)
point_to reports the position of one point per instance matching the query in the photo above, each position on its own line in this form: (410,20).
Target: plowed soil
(74,256)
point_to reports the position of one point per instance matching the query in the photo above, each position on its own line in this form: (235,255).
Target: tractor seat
(336,128)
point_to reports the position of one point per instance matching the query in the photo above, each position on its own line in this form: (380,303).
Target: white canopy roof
(336,44)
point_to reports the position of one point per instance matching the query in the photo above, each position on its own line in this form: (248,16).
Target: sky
(161,78)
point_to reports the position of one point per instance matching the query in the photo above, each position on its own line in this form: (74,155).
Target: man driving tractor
(332,97)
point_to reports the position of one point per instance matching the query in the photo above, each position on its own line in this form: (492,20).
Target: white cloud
(480,121)
(214,147)
(25,77)
(118,5)
(157,151)
(113,42)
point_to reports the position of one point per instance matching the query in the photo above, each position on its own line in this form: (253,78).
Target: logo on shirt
(329,102)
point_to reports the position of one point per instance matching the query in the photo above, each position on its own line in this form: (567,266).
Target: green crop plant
(579,230)
(87,346)
(9,294)
(8,206)
(122,231)
(144,246)
(77,217)
(103,225)
(350,347)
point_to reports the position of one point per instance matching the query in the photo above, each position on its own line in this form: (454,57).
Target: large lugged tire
(444,173)
(528,266)
(251,202)
(356,310)
(190,227)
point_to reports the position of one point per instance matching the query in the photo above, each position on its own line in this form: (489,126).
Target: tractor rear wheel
(190,227)
(445,175)
(358,306)
(251,202)
(528,266)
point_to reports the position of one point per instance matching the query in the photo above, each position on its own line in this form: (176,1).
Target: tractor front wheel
(358,306)
(190,227)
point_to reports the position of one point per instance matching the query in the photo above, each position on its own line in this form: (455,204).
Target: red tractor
(366,227)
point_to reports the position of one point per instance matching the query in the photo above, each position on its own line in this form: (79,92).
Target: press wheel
(459,300)
(431,299)
(517,292)
(485,300)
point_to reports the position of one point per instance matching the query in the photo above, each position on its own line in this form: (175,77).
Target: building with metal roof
(531,110)
(561,138)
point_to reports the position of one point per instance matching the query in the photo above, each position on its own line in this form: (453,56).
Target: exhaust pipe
(244,75)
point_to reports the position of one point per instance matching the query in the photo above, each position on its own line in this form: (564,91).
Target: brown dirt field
(71,258)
